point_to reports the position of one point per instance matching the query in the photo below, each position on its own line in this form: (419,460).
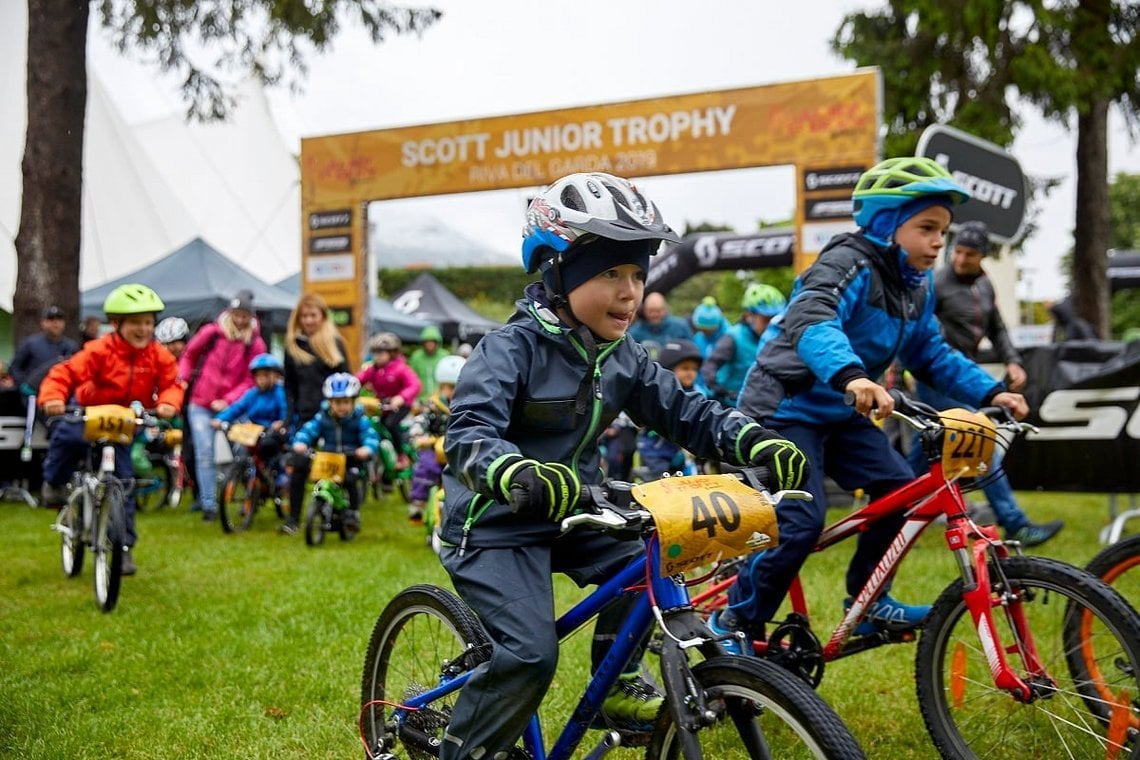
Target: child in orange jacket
(123,366)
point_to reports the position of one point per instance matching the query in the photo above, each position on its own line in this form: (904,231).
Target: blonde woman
(215,363)
(313,351)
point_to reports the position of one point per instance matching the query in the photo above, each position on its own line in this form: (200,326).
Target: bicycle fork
(973,563)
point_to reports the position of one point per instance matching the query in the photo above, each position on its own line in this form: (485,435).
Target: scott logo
(1099,414)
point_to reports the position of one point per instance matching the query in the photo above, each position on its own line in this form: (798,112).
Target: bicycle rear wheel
(1118,565)
(425,637)
(110,531)
(761,711)
(1085,700)
(70,527)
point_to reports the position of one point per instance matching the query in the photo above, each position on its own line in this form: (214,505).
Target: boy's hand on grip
(546,489)
(788,465)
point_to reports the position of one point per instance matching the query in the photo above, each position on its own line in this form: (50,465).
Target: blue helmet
(341,385)
(266,361)
(897,181)
(707,315)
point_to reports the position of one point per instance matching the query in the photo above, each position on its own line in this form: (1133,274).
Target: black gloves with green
(787,465)
(548,490)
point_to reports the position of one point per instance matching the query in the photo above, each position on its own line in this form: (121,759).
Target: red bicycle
(1019,654)
(250,478)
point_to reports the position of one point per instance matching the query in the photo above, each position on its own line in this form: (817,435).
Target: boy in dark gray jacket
(525,417)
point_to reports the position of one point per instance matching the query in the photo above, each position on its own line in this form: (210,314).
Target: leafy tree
(960,61)
(1124,235)
(269,39)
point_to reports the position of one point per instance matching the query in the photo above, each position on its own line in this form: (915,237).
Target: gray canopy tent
(426,298)
(196,282)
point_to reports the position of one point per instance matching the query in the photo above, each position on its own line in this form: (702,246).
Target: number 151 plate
(705,518)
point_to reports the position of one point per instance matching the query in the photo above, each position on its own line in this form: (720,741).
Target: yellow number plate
(328,465)
(968,443)
(109,422)
(245,433)
(370,405)
(705,518)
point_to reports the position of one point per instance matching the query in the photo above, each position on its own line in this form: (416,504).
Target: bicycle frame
(670,597)
(924,499)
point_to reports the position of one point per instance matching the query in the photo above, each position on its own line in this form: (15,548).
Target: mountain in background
(410,240)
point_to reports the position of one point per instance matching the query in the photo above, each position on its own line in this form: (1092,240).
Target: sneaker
(722,623)
(416,512)
(352,519)
(632,701)
(889,614)
(209,515)
(53,496)
(128,566)
(289,528)
(1032,534)
(195,507)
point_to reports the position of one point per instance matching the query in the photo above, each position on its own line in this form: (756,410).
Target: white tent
(150,187)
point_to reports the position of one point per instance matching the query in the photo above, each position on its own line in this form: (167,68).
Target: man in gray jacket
(966,306)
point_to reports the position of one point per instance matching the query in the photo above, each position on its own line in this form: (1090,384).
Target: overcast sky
(498,57)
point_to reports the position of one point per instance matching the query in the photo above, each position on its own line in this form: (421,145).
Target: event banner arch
(826,128)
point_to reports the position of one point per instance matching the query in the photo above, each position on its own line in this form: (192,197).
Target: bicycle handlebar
(921,416)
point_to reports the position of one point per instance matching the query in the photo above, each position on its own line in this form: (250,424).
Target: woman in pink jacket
(393,381)
(215,363)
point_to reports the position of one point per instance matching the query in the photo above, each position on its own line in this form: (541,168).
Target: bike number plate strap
(702,519)
(968,443)
(245,433)
(328,465)
(109,422)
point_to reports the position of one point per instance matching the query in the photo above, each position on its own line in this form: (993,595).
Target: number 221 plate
(705,518)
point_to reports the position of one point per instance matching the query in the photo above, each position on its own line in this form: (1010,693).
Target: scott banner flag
(1085,398)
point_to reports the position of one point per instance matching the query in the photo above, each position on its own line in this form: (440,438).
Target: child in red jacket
(123,366)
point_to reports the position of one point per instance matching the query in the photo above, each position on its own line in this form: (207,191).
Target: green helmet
(892,183)
(431,332)
(132,299)
(763,299)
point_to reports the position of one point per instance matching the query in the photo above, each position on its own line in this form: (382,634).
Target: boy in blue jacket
(525,419)
(866,301)
(340,426)
(263,404)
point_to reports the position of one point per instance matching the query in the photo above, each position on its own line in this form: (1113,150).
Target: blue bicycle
(426,642)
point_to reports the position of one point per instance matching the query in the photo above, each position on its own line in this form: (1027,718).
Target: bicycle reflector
(967,443)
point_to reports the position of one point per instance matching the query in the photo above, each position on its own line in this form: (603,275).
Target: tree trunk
(47,243)
(1090,257)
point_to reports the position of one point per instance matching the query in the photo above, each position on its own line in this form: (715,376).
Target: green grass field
(251,645)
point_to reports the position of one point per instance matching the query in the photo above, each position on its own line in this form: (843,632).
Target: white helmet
(171,329)
(595,204)
(447,371)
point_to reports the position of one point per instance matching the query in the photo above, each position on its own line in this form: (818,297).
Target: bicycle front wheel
(757,710)
(110,531)
(1084,701)
(425,637)
(239,497)
(1118,565)
(316,522)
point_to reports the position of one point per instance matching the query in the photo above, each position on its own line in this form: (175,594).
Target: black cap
(243,301)
(53,312)
(974,235)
